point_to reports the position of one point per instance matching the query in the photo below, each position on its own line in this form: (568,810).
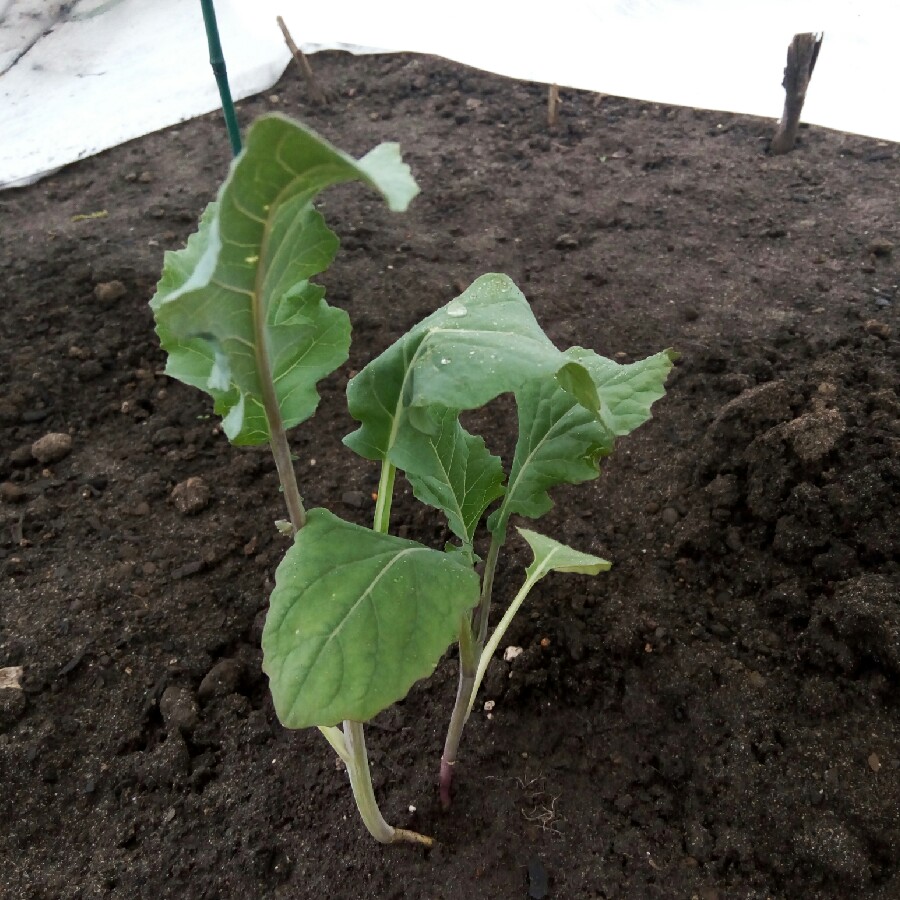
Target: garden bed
(717,717)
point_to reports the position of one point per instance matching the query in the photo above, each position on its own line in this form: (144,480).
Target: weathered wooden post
(317,94)
(801,60)
(553,105)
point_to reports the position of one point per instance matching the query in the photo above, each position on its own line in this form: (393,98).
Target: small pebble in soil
(756,679)
(355,499)
(222,679)
(880,247)
(567,242)
(179,709)
(191,496)
(879,329)
(11,678)
(11,493)
(51,448)
(12,697)
(670,516)
(109,291)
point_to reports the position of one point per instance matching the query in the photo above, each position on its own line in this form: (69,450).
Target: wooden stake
(553,105)
(316,92)
(801,60)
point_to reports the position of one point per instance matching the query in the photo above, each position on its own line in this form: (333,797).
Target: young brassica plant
(239,318)
(357,616)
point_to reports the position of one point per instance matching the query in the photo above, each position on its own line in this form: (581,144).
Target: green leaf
(626,392)
(451,470)
(236,308)
(552,556)
(356,618)
(480,345)
(561,442)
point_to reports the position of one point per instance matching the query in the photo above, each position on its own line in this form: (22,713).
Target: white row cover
(77,78)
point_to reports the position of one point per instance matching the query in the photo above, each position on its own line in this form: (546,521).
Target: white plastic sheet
(78,78)
(99,73)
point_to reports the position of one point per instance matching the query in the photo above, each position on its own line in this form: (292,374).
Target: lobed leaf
(484,343)
(451,470)
(356,618)
(626,392)
(562,442)
(236,306)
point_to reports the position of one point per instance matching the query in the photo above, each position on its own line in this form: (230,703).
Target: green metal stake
(217,61)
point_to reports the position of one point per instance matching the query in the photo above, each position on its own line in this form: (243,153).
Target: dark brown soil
(718,717)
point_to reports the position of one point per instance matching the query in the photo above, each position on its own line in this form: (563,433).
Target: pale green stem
(364,793)
(282,452)
(335,737)
(278,441)
(492,645)
(468,659)
(382,521)
(471,645)
(361,782)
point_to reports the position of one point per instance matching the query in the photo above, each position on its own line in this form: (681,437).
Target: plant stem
(278,441)
(382,521)
(281,450)
(217,61)
(335,737)
(471,645)
(483,611)
(468,661)
(491,647)
(364,794)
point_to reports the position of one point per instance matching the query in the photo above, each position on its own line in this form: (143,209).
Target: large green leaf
(484,343)
(356,618)
(451,470)
(236,306)
(561,442)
